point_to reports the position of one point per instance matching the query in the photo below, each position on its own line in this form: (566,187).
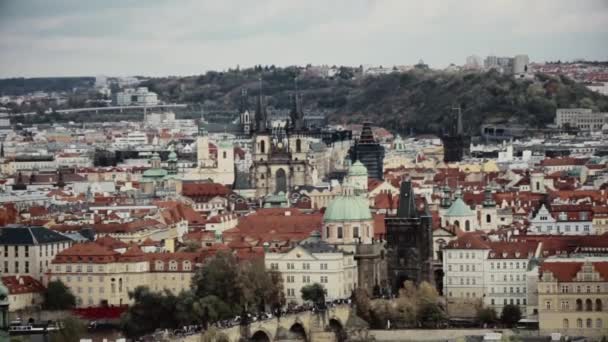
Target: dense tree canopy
(58,296)
(511,314)
(221,289)
(314,293)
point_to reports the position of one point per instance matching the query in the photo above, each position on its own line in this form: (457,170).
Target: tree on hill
(58,296)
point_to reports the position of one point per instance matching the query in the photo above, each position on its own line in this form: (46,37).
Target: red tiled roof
(204,190)
(22,284)
(564,161)
(473,240)
(88,252)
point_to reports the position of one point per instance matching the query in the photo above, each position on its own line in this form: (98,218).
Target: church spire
(296,113)
(260,111)
(243,102)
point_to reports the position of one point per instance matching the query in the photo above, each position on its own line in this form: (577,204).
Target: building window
(355,232)
(323,279)
(598,323)
(579,305)
(548,305)
(306,279)
(340,233)
(306,266)
(323,266)
(565,323)
(588,305)
(598,305)
(290,266)
(589,323)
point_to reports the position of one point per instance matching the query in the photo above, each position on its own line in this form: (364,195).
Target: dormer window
(517,254)
(563,216)
(504,254)
(583,216)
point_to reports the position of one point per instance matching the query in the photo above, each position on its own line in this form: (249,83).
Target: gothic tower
(409,242)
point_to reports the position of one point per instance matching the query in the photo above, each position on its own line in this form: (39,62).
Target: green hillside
(419,99)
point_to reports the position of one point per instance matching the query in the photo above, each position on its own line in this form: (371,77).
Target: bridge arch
(335,325)
(298,330)
(261,335)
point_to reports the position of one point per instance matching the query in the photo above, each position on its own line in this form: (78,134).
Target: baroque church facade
(280,154)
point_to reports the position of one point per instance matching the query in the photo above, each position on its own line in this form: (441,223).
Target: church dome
(347,208)
(357,169)
(459,209)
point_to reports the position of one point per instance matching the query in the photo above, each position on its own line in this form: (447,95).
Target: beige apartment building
(316,262)
(99,276)
(573,296)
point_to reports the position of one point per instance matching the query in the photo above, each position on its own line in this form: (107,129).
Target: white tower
(202,149)
(537,182)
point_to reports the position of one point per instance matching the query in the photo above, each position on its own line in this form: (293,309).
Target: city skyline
(159,38)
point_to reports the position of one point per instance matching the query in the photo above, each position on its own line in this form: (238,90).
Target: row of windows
(586,228)
(463,268)
(512,289)
(468,281)
(305,279)
(579,306)
(26,268)
(574,289)
(54,248)
(511,265)
(510,277)
(463,255)
(588,323)
(512,301)
(292,266)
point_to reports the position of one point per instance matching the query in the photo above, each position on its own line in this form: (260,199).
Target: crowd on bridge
(248,318)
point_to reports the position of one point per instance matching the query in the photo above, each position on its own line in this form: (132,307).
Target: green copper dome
(347,208)
(357,169)
(460,209)
(225,143)
(155,173)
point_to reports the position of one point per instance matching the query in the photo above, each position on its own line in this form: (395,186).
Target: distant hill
(419,99)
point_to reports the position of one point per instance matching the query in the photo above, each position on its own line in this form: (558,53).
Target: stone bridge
(329,326)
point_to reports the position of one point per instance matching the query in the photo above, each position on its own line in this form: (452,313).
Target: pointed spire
(243,103)
(260,111)
(296,114)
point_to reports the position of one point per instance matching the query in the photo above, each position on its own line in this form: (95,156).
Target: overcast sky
(186,37)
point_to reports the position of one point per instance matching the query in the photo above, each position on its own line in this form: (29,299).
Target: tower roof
(407,202)
(367,135)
